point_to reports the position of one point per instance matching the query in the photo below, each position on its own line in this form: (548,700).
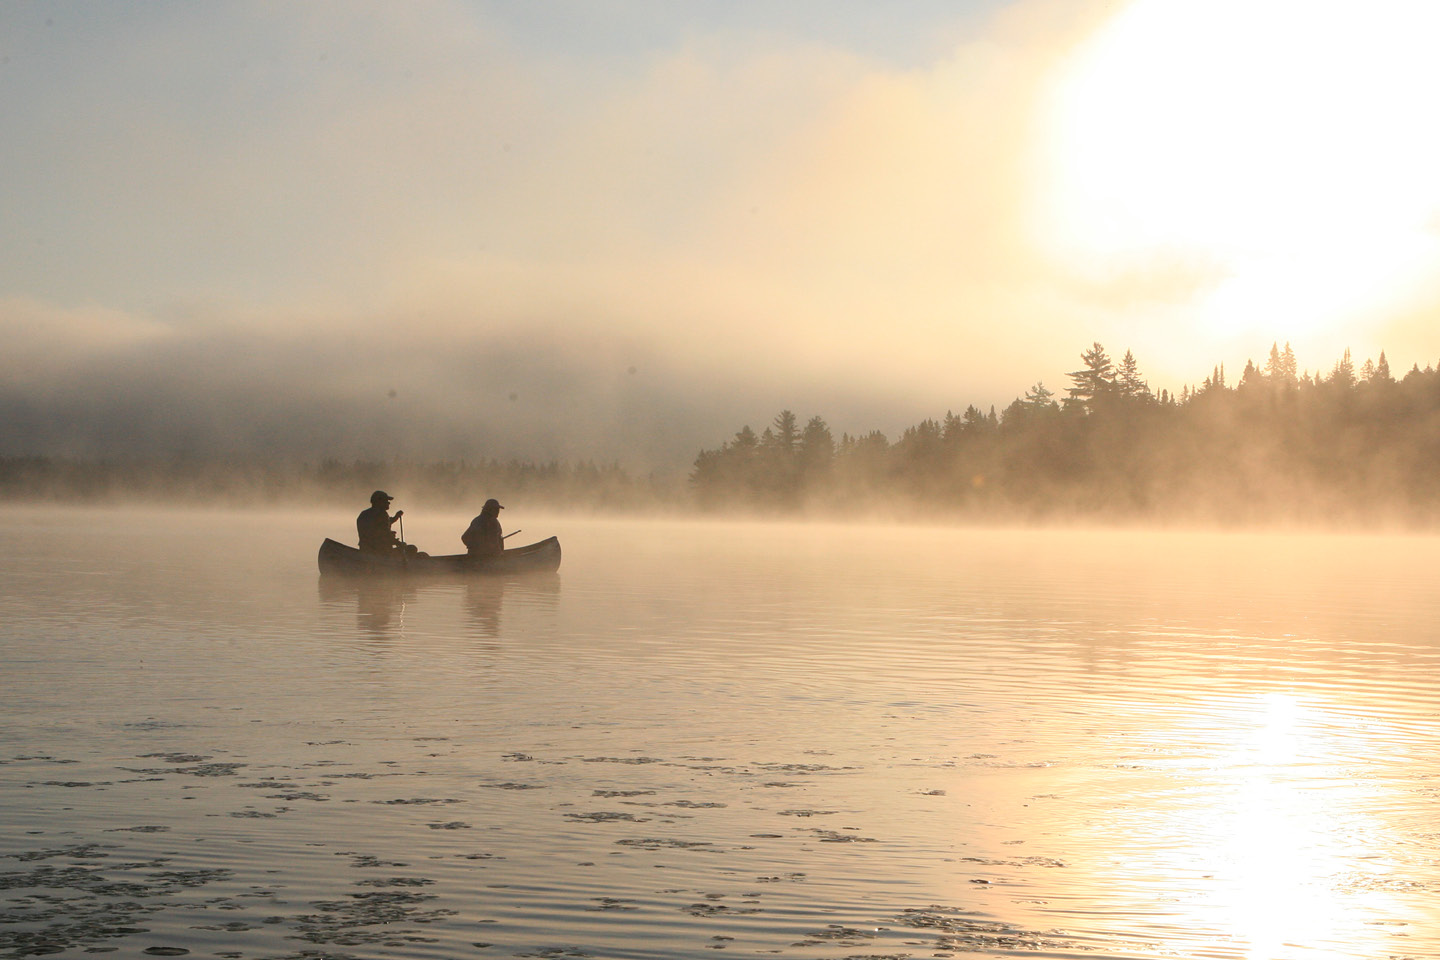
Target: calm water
(701,739)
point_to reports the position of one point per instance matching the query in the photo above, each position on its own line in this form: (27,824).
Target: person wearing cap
(483,538)
(374,525)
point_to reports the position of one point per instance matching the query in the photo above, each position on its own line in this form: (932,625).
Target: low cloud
(371,390)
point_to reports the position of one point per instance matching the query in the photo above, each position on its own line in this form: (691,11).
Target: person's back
(483,537)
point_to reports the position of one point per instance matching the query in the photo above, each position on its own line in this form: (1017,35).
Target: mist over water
(809,741)
(277,256)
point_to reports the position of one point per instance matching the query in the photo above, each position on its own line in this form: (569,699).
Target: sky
(622,229)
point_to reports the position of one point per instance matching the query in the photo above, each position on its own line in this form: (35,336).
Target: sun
(1274,159)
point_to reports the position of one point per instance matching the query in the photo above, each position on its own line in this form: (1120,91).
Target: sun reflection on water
(1279,847)
(1293,847)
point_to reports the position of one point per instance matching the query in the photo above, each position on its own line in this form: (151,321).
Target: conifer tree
(1288,368)
(1344,373)
(1096,380)
(1273,365)
(950,432)
(974,420)
(1280,368)
(815,441)
(1382,369)
(1039,397)
(786,432)
(1250,375)
(816,450)
(1128,380)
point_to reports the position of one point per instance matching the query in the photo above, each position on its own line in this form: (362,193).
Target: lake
(706,739)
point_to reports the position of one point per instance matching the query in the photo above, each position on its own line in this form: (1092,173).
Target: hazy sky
(624,229)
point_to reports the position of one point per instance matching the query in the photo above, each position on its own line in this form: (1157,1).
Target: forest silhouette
(1348,447)
(1278,447)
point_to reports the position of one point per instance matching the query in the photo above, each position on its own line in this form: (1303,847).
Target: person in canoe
(483,537)
(374,527)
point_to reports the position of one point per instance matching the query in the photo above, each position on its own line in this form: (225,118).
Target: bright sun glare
(1286,829)
(1276,157)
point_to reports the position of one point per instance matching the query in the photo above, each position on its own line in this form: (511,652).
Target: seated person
(483,538)
(373,525)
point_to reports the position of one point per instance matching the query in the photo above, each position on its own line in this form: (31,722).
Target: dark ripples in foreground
(800,741)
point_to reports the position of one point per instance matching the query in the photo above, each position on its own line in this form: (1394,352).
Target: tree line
(1278,446)
(1351,444)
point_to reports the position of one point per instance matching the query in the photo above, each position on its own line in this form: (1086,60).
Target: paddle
(510,534)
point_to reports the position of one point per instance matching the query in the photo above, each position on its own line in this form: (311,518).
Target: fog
(88,384)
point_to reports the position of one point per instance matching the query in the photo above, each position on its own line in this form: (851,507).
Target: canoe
(337,559)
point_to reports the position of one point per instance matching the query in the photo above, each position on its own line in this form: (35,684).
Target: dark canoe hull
(336,559)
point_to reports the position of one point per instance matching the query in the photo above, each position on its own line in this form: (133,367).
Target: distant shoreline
(445,486)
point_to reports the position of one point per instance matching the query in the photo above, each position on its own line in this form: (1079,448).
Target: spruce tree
(1128,380)
(1382,369)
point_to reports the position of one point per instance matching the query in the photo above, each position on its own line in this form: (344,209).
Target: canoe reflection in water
(379,601)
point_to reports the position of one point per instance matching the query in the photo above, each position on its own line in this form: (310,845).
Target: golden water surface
(702,738)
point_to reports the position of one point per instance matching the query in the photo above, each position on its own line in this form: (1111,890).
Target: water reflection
(1299,853)
(483,599)
(380,604)
(818,743)
(1264,815)
(523,595)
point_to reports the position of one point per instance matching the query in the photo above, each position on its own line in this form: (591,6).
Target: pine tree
(1039,397)
(1096,380)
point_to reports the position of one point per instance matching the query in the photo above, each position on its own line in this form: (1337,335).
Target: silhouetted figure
(374,525)
(483,538)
